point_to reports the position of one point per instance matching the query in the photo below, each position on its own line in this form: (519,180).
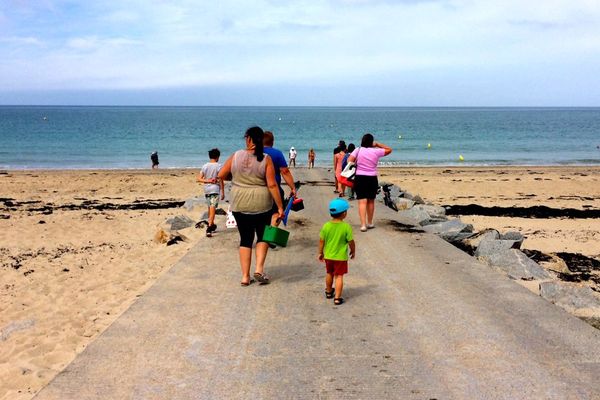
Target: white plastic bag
(230,223)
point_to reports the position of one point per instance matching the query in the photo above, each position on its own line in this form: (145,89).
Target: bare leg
(339,286)
(211,215)
(370,210)
(362,212)
(261,255)
(328,283)
(245,261)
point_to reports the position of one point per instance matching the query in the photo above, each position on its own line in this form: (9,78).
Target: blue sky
(332,52)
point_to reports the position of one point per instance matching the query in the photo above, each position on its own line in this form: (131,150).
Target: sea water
(68,137)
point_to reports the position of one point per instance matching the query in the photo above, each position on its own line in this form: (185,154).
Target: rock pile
(502,252)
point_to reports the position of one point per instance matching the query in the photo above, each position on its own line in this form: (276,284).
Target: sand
(67,273)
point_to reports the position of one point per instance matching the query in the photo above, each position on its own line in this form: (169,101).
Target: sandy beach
(77,247)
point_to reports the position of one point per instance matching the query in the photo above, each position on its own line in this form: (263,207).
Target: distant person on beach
(366,158)
(154,159)
(351,148)
(337,161)
(252,194)
(213,187)
(335,238)
(335,151)
(311,158)
(281,170)
(293,155)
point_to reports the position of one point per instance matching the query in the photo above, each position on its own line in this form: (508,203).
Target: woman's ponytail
(256,134)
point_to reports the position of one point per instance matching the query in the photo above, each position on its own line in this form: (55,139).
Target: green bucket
(276,236)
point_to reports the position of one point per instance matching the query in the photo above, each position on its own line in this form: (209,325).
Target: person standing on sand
(311,158)
(154,159)
(351,148)
(281,170)
(335,151)
(365,180)
(293,155)
(337,161)
(253,191)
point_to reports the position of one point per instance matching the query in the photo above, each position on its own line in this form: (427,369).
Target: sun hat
(338,206)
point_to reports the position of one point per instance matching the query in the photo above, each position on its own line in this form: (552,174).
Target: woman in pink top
(366,158)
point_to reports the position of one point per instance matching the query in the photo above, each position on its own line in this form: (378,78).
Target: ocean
(66,137)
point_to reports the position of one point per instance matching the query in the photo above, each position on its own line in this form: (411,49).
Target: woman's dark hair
(367,140)
(256,134)
(351,147)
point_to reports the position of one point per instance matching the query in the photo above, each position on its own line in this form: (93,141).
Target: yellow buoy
(428,145)
(461,158)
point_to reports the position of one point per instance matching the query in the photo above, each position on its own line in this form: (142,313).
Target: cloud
(137,44)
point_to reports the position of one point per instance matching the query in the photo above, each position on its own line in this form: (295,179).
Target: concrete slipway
(422,320)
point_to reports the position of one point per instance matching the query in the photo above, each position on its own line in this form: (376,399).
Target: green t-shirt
(336,236)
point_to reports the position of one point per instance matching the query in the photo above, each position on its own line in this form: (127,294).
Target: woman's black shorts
(365,186)
(251,225)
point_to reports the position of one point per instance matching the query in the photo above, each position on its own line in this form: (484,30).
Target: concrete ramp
(422,321)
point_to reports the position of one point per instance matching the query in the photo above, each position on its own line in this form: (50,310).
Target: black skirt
(365,186)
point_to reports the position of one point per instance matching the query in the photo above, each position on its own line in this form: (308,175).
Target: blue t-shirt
(278,161)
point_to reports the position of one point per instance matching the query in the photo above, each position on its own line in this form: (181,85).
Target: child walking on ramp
(335,238)
(213,187)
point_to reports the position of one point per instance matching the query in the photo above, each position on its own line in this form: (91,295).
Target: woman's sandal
(262,278)
(251,281)
(338,301)
(329,295)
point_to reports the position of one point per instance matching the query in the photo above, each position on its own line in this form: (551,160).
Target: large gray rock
(413,217)
(418,200)
(194,204)
(406,195)
(488,234)
(516,265)
(570,297)
(515,236)
(489,246)
(403,204)
(451,231)
(435,212)
(180,222)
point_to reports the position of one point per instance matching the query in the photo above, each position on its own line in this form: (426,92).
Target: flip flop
(363,228)
(262,278)
(250,282)
(338,301)
(329,295)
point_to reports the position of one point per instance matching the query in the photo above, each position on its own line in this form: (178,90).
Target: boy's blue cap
(338,206)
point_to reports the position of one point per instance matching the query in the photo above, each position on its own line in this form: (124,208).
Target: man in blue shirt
(281,170)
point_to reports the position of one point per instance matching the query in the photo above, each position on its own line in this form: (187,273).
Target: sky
(300,53)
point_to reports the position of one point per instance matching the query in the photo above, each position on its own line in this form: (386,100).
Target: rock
(168,238)
(406,195)
(473,242)
(451,231)
(413,216)
(435,212)
(515,236)
(180,222)
(4,216)
(194,204)
(516,264)
(403,204)
(418,200)
(488,247)
(569,296)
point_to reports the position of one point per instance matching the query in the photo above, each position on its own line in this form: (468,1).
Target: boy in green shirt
(336,237)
